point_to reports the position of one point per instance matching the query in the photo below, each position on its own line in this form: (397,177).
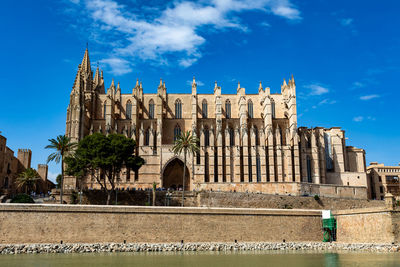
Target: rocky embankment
(173,247)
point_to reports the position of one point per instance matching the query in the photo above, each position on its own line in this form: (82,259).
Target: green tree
(102,157)
(58,181)
(62,146)
(28,179)
(186,143)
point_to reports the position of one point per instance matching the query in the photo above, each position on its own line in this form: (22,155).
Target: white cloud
(358,85)
(368,97)
(346,21)
(177,29)
(265,24)
(199,83)
(326,102)
(117,66)
(317,89)
(362,118)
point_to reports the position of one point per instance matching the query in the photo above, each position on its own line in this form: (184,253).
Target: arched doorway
(173,173)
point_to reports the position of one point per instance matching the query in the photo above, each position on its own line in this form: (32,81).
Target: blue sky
(344,56)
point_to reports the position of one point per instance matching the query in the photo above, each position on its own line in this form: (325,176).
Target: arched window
(228,109)
(258,168)
(104,110)
(250,109)
(309,178)
(128,110)
(178,109)
(177,132)
(147,137)
(206,137)
(231,137)
(273,109)
(151,109)
(204,109)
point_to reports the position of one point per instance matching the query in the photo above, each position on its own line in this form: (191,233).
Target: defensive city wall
(25,223)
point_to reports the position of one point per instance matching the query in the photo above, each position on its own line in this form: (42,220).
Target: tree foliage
(186,143)
(103,157)
(62,146)
(28,179)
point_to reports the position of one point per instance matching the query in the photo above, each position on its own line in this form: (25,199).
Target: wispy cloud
(199,83)
(368,97)
(265,24)
(178,29)
(346,21)
(317,89)
(362,118)
(358,85)
(118,66)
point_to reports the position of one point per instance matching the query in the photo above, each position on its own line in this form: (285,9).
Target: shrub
(316,197)
(22,198)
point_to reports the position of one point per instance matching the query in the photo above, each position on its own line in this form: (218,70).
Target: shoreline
(198,246)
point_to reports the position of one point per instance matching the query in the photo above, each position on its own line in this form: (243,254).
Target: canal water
(206,259)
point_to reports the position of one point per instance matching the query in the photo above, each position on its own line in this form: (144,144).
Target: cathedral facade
(248,142)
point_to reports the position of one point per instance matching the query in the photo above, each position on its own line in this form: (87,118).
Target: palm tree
(62,146)
(28,179)
(186,143)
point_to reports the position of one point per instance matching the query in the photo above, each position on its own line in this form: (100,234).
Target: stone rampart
(372,225)
(25,223)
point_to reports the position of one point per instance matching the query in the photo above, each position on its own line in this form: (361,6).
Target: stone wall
(373,225)
(290,188)
(24,223)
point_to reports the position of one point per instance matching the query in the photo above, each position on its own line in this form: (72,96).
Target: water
(206,259)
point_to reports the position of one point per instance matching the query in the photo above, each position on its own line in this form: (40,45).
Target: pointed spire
(160,82)
(194,81)
(216,85)
(137,83)
(118,87)
(97,75)
(238,85)
(260,88)
(293,80)
(85,65)
(140,86)
(284,82)
(112,83)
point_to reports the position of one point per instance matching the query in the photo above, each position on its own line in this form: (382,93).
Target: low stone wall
(373,225)
(174,247)
(289,188)
(25,223)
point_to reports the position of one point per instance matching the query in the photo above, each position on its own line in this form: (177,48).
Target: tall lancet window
(231,137)
(204,109)
(151,109)
(256,135)
(104,110)
(147,137)
(177,132)
(178,109)
(128,110)
(250,109)
(273,109)
(206,136)
(228,109)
